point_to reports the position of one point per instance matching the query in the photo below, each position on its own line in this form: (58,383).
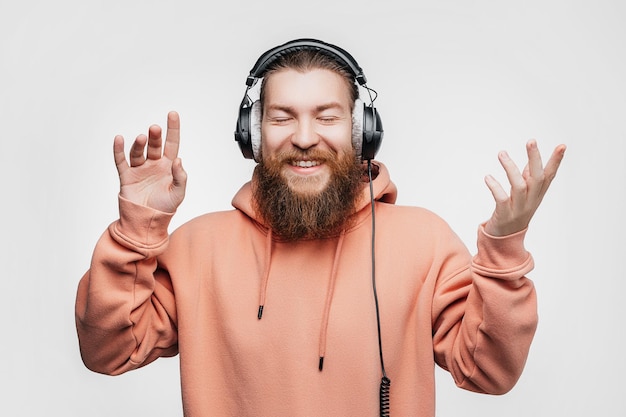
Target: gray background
(458,81)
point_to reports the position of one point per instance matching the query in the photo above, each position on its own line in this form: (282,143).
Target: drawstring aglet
(260,313)
(321,365)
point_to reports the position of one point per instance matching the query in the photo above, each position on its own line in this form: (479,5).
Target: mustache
(293,155)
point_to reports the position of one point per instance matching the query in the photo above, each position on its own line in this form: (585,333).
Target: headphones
(367,127)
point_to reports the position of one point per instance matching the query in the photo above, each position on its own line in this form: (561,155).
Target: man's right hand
(155,178)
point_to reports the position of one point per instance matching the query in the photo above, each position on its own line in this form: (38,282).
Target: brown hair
(307,59)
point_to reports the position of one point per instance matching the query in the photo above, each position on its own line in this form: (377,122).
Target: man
(298,301)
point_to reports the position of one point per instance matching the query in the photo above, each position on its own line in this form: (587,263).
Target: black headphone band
(270,56)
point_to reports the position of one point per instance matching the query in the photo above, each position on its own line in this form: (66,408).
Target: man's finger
(154,142)
(554,162)
(136,154)
(552,166)
(512,172)
(535,166)
(496,189)
(118,154)
(172,137)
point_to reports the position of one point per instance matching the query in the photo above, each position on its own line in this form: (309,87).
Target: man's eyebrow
(286,109)
(291,109)
(330,105)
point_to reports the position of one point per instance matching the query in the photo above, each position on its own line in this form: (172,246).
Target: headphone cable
(385,382)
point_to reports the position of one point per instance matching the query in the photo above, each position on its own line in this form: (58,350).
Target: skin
(514,211)
(154,178)
(307,111)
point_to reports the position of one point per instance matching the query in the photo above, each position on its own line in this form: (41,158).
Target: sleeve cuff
(503,257)
(140,227)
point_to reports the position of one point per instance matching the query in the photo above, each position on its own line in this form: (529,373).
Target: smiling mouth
(305,164)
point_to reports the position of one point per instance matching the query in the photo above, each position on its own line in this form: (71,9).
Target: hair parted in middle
(307,60)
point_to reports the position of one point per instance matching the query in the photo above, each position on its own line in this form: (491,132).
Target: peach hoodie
(197,293)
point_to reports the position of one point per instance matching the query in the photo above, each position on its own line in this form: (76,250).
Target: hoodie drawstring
(329,299)
(266,273)
(329,292)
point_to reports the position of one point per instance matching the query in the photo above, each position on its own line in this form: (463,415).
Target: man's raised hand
(155,177)
(513,212)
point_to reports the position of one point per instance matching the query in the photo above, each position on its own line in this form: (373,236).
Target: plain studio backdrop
(458,81)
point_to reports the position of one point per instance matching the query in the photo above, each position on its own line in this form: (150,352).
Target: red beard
(294,215)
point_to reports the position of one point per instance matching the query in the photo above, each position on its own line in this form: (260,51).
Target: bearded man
(316,290)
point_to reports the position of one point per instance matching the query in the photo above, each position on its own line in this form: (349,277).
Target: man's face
(308,182)
(307,121)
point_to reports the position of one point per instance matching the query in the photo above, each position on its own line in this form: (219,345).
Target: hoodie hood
(384,191)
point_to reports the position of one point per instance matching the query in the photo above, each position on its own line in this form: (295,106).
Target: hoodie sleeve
(485,316)
(125,310)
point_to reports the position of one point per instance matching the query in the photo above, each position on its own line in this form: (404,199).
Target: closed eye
(279,120)
(328,120)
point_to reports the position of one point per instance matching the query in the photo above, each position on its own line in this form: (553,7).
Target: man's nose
(305,136)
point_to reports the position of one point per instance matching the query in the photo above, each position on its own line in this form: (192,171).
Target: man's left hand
(513,212)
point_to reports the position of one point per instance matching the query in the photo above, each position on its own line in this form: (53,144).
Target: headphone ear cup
(372,133)
(248,131)
(242,132)
(357,128)
(255,130)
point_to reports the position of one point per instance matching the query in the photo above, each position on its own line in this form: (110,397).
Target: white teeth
(305,164)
